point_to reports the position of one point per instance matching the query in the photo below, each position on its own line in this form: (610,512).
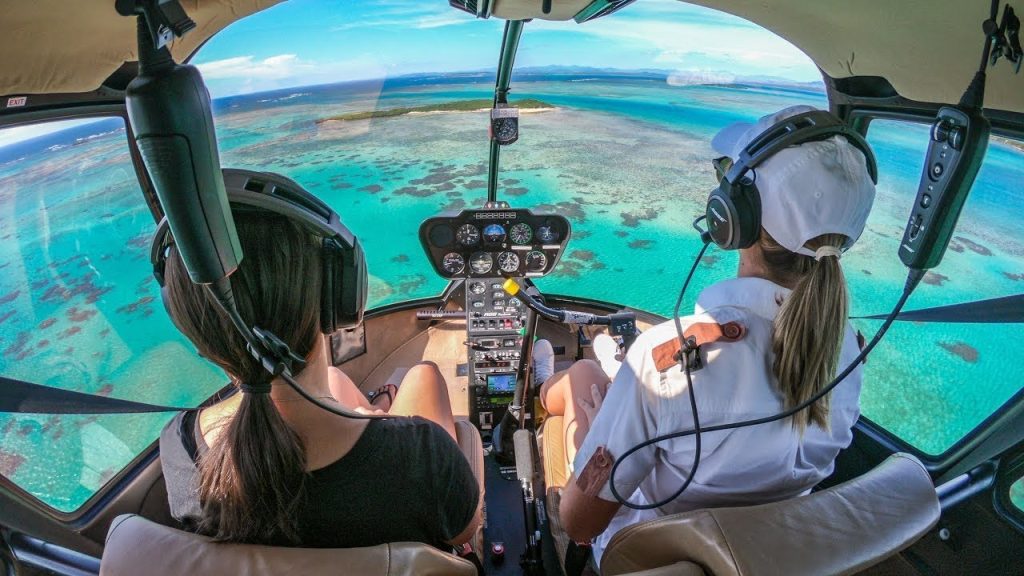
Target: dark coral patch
(70,332)
(633,219)
(567,268)
(640,244)
(9,297)
(510,181)
(400,258)
(411,284)
(934,278)
(581,234)
(516,191)
(5,317)
(372,188)
(866,272)
(974,246)
(965,351)
(584,255)
(456,204)
(76,315)
(710,260)
(1012,276)
(105,390)
(414,191)
(621,233)
(474,184)
(10,462)
(137,306)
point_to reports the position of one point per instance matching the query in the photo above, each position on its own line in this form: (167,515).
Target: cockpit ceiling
(928,50)
(56,46)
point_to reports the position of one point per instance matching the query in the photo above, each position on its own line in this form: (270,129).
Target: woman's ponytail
(808,333)
(251,479)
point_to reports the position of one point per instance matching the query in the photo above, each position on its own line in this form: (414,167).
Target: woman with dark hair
(790,298)
(273,468)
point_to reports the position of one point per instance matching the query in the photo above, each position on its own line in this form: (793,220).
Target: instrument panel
(483,243)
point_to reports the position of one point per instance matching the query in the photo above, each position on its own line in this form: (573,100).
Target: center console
(484,247)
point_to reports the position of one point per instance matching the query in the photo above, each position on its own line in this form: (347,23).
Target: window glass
(1017,494)
(616,137)
(932,383)
(79,308)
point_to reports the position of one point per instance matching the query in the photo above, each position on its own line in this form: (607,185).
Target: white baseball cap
(815,188)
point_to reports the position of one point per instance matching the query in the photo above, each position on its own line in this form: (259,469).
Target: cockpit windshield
(381,109)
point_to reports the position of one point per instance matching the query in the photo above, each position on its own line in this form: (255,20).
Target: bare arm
(584,516)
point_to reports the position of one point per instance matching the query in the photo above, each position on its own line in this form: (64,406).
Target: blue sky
(304,42)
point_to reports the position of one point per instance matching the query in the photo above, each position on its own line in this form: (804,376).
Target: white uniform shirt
(744,466)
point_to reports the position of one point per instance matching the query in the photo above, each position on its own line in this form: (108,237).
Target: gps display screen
(501,383)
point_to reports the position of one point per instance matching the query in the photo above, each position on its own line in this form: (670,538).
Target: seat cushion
(137,546)
(842,530)
(472,446)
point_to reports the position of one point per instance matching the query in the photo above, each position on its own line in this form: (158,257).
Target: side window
(79,308)
(1017,494)
(932,383)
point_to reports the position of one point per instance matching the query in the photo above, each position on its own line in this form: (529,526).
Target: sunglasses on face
(722,165)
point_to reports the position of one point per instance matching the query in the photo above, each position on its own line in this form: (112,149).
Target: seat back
(842,530)
(137,546)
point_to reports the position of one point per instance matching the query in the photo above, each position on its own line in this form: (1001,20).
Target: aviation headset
(734,208)
(344,280)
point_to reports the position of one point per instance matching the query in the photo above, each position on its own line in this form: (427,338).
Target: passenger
(791,296)
(274,468)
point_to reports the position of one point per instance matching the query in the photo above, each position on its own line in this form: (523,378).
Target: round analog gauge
(494,233)
(521,233)
(477,287)
(508,262)
(481,262)
(547,234)
(536,261)
(468,235)
(453,263)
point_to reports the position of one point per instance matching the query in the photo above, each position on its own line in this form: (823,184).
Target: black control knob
(940,131)
(956,137)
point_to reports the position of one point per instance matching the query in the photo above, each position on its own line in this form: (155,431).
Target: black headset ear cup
(344,286)
(734,214)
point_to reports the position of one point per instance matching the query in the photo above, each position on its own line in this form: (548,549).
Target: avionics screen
(501,383)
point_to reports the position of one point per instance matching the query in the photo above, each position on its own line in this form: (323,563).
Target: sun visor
(51,46)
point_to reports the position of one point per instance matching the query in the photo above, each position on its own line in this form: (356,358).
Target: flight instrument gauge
(520,233)
(505,124)
(536,261)
(508,262)
(453,263)
(494,233)
(547,234)
(468,235)
(481,262)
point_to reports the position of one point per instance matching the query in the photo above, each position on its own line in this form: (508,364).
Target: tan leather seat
(841,530)
(137,546)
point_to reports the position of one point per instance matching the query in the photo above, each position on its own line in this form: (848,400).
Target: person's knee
(586,372)
(425,373)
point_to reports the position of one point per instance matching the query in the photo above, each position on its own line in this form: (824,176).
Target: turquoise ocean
(625,157)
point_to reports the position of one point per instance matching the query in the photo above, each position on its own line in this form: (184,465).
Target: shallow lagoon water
(627,162)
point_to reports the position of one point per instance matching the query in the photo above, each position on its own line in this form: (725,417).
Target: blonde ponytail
(808,333)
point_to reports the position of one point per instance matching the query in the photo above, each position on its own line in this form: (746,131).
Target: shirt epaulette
(667,354)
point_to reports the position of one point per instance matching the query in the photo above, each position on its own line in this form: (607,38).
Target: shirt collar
(758,295)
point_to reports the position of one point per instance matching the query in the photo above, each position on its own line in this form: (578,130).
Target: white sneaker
(606,349)
(543,362)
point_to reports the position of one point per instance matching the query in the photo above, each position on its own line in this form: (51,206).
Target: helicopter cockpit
(523,178)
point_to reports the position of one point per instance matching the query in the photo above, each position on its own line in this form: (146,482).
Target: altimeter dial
(468,235)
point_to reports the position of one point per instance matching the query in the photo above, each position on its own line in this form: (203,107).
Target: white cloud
(273,67)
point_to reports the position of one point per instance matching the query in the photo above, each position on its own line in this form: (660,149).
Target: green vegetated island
(456,106)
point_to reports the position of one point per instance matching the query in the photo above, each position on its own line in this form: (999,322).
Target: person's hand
(374,412)
(590,407)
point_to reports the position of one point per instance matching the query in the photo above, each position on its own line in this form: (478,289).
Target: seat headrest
(841,530)
(137,546)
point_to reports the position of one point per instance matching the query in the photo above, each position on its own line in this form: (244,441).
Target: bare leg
(345,390)
(560,396)
(423,392)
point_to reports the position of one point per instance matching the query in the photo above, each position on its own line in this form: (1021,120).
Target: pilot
(266,466)
(790,298)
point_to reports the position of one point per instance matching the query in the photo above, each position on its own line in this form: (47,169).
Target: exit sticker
(16,101)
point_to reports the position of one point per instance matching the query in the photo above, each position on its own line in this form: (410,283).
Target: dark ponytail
(807,336)
(251,479)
